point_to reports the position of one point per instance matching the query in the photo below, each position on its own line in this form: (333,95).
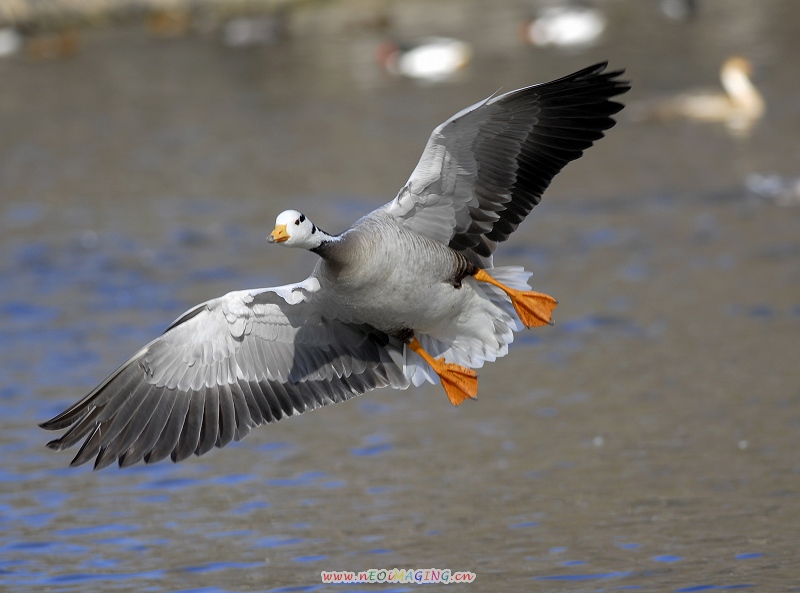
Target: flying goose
(408,294)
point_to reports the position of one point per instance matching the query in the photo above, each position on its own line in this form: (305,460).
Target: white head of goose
(293,229)
(407,294)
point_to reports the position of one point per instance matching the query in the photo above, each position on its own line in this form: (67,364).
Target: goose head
(294,229)
(735,76)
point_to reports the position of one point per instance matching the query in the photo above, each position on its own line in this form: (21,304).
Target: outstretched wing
(223,367)
(485,168)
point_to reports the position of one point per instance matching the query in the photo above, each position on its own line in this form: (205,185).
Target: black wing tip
(598,73)
(593,84)
(598,69)
(594,71)
(62,420)
(102,460)
(598,78)
(55,445)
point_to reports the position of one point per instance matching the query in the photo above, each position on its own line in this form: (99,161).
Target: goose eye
(297,222)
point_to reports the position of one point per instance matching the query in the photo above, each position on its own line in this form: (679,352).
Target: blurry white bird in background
(739,107)
(434,59)
(570,25)
(10,41)
(779,189)
(678,10)
(254,31)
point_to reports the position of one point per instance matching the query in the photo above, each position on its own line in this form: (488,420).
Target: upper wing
(225,366)
(485,168)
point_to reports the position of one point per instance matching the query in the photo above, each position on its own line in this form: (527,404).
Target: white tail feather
(493,309)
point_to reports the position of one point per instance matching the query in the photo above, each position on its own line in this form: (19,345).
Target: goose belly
(420,302)
(403,295)
(395,280)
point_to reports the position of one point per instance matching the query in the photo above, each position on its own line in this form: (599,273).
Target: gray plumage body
(377,261)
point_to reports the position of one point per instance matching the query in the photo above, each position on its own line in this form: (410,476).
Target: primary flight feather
(408,294)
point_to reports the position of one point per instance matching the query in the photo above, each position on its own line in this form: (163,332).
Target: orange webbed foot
(534,308)
(460,383)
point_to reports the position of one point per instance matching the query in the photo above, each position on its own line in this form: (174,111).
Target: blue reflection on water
(755,311)
(628,546)
(523,524)
(94,529)
(668,558)
(216,566)
(20,314)
(34,547)
(36,520)
(599,236)
(371,407)
(204,590)
(583,577)
(312,558)
(592,323)
(236,533)
(636,269)
(748,556)
(81,577)
(171,483)
(712,587)
(277,541)
(233,479)
(211,274)
(23,214)
(371,450)
(303,479)
(375,444)
(250,506)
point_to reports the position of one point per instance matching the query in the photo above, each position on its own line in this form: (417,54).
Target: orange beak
(279,235)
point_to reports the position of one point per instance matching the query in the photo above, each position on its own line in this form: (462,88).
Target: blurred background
(646,441)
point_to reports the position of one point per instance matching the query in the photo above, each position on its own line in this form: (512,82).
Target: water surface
(647,441)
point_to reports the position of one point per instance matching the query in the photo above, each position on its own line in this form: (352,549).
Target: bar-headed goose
(408,294)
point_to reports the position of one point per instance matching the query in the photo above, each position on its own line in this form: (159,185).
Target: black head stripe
(313,228)
(302,217)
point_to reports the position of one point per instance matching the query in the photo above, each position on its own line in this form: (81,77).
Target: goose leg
(533,308)
(459,382)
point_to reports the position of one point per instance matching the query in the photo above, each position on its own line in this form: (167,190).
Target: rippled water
(647,441)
